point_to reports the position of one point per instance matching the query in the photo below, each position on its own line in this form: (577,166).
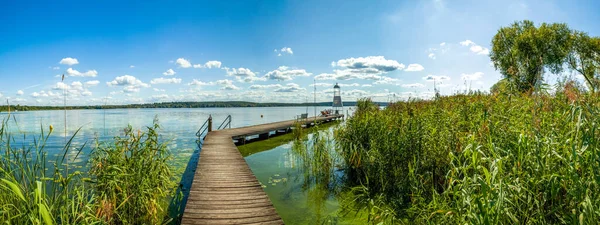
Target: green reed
(475,159)
(129,182)
(30,194)
(133,178)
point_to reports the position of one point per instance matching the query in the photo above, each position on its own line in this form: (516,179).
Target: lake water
(179,126)
(296,205)
(283,173)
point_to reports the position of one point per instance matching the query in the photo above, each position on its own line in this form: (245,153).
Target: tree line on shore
(212,104)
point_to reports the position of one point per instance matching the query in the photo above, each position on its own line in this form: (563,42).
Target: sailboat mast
(315,93)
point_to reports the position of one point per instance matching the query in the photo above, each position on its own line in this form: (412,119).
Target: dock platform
(224,189)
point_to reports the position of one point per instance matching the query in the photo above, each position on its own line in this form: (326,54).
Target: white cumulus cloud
(349,85)
(287,50)
(209,64)
(431,78)
(387,80)
(378,64)
(127,80)
(347,74)
(130,83)
(284,50)
(240,72)
(322,85)
(477,49)
(169,72)
(415,85)
(20,92)
(227,84)
(69,61)
(366,68)
(243,75)
(162,80)
(200,83)
(466,43)
(75,89)
(183,63)
(212,64)
(258,86)
(285,73)
(92,83)
(414,67)
(472,76)
(74,73)
(40,94)
(291,87)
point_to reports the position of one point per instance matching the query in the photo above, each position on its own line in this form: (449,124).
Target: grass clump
(33,191)
(133,178)
(475,159)
(128,182)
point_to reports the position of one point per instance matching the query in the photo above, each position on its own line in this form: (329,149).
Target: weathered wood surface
(224,189)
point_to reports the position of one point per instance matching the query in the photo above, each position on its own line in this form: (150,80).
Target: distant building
(338,105)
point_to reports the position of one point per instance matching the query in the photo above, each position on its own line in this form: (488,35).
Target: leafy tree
(501,87)
(584,58)
(522,52)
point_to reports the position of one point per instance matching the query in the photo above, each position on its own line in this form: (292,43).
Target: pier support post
(209,123)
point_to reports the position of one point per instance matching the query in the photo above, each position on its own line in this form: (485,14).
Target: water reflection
(300,178)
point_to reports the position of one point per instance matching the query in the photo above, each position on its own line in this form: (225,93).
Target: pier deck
(224,189)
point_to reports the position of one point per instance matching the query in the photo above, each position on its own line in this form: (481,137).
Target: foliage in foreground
(128,185)
(133,178)
(476,159)
(35,192)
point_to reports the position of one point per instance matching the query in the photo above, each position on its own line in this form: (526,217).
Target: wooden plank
(224,189)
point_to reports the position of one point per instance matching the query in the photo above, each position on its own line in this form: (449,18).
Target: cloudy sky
(119,52)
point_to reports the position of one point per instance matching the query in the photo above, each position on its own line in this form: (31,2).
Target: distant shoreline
(176,105)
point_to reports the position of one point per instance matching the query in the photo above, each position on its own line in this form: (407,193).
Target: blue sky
(122,52)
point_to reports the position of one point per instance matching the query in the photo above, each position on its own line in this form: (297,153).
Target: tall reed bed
(132,178)
(31,194)
(129,181)
(475,159)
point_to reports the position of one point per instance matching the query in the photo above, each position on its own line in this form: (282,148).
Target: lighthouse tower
(338,106)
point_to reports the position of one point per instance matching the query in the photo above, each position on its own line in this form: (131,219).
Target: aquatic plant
(475,159)
(132,178)
(130,181)
(33,192)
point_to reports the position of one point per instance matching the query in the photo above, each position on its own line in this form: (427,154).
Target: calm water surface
(282,175)
(275,168)
(179,126)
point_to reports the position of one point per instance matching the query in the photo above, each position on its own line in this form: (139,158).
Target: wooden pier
(224,189)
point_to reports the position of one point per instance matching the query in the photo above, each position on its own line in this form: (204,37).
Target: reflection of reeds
(317,159)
